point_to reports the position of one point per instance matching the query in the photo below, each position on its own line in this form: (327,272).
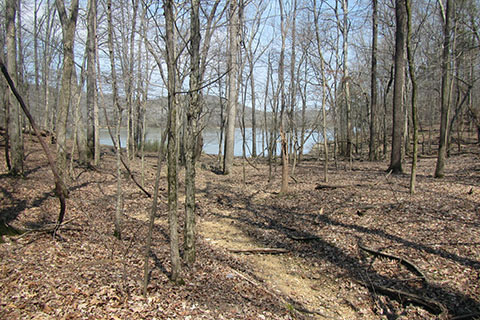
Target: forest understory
(358,247)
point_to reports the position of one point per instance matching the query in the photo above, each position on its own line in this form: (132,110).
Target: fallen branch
(430,305)
(408,264)
(133,178)
(260,250)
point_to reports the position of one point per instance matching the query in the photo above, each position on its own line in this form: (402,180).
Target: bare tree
(281,83)
(118,117)
(447,16)
(411,71)
(373,145)
(48,57)
(398,86)
(233,66)
(69,22)
(93,132)
(13,116)
(172,142)
(193,112)
(324,89)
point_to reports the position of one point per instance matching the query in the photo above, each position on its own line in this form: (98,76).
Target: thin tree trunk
(373,152)
(398,87)
(293,87)
(445,93)
(68,28)
(281,83)
(119,200)
(47,120)
(346,81)
(411,70)
(234,33)
(79,123)
(13,115)
(153,211)
(193,113)
(324,92)
(172,143)
(92,105)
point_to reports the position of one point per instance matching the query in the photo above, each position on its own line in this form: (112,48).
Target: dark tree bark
(398,86)
(373,143)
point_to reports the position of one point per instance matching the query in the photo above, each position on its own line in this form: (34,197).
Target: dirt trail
(229,224)
(304,288)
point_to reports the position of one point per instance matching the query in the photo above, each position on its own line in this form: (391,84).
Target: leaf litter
(88,274)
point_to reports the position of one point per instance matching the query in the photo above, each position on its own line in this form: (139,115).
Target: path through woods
(324,274)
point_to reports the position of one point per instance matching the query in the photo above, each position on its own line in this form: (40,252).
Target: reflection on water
(211,137)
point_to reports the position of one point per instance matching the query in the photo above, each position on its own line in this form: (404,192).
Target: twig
(133,178)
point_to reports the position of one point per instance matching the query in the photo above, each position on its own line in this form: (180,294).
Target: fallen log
(259,250)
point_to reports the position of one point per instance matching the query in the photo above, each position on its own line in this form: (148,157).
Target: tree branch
(60,188)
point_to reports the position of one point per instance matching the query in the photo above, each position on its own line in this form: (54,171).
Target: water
(211,138)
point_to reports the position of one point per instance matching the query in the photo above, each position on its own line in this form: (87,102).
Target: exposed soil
(86,273)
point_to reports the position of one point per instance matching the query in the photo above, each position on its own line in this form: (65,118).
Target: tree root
(408,264)
(430,305)
(259,250)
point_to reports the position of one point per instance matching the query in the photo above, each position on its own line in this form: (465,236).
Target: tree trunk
(193,113)
(68,29)
(234,33)
(293,87)
(445,93)
(93,138)
(346,82)
(48,57)
(324,91)
(373,149)
(172,143)
(398,87)
(79,123)
(118,117)
(13,115)
(411,70)
(281,83)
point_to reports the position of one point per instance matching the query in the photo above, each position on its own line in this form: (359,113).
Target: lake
(211,138)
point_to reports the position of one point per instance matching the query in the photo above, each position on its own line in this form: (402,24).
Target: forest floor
(358,247)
